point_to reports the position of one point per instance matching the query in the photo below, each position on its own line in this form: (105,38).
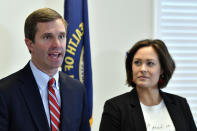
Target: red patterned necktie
(54,108)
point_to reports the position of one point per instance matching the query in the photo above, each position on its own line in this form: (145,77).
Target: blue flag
(77,61)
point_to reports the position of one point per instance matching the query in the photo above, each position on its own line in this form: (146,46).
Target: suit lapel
(137,111)
(172,107)
(33,99)
(66,123)
(174,112)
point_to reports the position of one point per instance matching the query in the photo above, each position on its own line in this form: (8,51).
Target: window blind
(175,22)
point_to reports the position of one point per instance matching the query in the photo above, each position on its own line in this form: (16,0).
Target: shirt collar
(56,76)
(42,78)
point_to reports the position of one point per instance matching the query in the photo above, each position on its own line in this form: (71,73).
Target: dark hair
(40,15)
(165,59)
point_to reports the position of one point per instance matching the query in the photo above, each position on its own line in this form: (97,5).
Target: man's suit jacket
(124,113)
(21,107)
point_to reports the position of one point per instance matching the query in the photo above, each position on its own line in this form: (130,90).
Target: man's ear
(29,44)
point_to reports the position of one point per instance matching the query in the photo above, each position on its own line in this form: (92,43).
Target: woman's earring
(161,79)
(132,81)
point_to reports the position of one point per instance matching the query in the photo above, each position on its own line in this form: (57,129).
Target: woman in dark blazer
(149,68)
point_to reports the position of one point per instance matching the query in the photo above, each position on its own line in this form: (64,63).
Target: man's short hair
(40,15)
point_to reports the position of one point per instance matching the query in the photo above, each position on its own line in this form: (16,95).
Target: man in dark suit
(24,104)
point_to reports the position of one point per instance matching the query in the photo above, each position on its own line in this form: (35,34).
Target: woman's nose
(143,68)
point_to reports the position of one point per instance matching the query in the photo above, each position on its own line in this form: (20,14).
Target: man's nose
(56,42)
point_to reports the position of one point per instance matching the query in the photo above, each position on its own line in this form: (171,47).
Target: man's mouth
(55,55)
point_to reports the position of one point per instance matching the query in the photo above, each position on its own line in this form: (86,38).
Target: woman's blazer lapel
(175,111)
(137,111)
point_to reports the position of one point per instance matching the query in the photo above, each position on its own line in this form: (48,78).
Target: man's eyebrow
(47,34)
(62,33)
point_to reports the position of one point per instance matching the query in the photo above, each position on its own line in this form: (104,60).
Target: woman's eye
(137,62)
(151,63)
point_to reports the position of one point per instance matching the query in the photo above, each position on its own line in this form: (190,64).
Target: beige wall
(114,26)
